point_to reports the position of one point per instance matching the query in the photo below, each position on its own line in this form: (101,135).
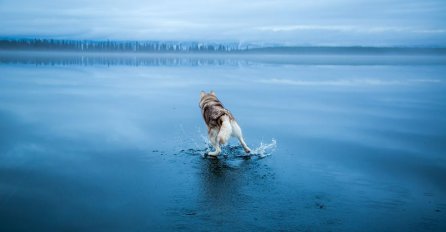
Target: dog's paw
(214,154)
(248,151)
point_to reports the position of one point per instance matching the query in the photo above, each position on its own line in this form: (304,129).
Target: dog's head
(206,96)
(203,94)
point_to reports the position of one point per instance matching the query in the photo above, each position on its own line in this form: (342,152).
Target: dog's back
(220,122)
(213,111)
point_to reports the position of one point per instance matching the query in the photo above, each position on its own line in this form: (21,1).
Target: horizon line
(257,44)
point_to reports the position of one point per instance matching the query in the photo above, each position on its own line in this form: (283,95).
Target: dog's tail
(225,130)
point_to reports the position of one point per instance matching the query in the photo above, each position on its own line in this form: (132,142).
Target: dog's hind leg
(213,139)
(237,132)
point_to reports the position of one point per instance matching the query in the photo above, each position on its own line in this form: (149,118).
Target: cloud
(297,22)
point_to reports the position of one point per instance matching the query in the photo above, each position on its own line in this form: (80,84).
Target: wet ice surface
(113,148)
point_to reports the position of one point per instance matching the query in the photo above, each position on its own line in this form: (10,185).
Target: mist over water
(342,143)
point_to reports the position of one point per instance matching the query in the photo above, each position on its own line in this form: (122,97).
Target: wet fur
(220,122)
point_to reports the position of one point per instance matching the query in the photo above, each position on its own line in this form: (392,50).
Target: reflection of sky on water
(357,147)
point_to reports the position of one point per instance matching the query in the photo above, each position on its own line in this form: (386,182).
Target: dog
(220,122)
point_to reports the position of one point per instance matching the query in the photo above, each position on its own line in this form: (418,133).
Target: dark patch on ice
(320,205)
(190,212)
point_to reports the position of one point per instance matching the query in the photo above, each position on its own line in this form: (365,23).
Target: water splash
(198,144)
(265,149)
(236,151)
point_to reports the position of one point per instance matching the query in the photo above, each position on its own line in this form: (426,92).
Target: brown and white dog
(220,122)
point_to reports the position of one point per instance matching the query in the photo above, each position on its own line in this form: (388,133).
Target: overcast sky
(315,22)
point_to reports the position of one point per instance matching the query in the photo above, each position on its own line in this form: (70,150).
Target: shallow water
(115,146)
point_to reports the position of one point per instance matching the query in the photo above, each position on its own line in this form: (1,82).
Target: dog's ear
(202,94)
(212,93)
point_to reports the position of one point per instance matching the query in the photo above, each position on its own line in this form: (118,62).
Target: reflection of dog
(220,122)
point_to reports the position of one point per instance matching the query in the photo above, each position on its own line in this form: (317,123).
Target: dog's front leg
(213,133)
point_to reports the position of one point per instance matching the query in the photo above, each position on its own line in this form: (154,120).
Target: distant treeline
(199,47)
(116,46)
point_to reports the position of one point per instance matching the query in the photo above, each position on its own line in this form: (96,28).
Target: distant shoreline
(213,59)
(289,51)
(195,47)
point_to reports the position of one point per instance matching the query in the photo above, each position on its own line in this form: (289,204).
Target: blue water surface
(98,145)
